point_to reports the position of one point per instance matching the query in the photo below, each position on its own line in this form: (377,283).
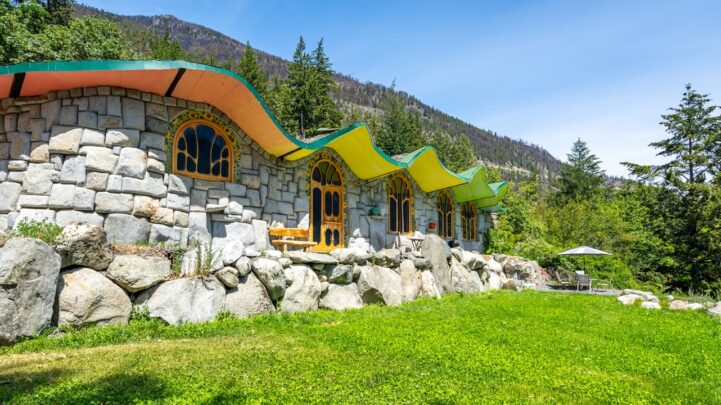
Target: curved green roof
(233,95)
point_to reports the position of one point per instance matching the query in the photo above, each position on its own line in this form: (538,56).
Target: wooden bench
(288,238)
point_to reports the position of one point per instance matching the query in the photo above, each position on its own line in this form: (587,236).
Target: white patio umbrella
(584,251)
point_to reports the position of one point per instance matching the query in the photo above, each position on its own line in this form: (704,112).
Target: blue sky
(547,72)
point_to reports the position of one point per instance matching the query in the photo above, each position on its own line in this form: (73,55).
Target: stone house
(176,152)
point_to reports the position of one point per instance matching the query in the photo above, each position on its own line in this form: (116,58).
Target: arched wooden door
(326,206)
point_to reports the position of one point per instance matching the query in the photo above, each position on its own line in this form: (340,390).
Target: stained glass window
(203,151)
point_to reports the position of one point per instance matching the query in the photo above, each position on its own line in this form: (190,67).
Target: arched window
(446,218)
(326,202)
(400,205)
(202,150)
(469,221)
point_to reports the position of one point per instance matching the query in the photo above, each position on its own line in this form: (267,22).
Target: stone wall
(83,280)
(102,156)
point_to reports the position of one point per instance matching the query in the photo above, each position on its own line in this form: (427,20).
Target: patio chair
(583,280)
(561,281)
(605,283)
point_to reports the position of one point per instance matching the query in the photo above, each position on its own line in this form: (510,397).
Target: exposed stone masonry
(99,156)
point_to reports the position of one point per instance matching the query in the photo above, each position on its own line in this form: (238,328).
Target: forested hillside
(517,159)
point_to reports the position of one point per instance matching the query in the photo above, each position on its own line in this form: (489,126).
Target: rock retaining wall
(84,282)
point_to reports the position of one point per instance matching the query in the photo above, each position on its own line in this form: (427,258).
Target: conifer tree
(581,176)
(400,129)
(250,70)
(308,105)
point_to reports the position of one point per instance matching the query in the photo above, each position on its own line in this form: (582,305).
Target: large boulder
(436,250)
(341,297)
(473,261)
(428,285)
(310,258)
(84,245)
(493,266)
(350,255)
(248,298)
(644,295)
(192,300)
(650,305)
(522,269)
(461,278)
(270,273)
(628,299)
(678,305)
(304,291)
(228,276)
(387,258)
(340,274)
(715,311)
(475,284)
(29,271)
(135,273)
(494,280)
(379,284)
(410,280)
(86,297)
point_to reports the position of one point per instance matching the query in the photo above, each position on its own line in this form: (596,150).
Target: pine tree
(309,105)
(581,176)
(61,11)
(400,129)
(325,112)
(694,129)
(687,197)
(250,70)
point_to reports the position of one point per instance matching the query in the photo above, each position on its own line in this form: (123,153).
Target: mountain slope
(516,158)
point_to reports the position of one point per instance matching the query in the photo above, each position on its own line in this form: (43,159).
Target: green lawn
(529,347)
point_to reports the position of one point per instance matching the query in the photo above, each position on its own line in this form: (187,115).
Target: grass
(500,347)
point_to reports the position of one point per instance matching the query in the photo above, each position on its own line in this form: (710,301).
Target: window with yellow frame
(400,205)
(469,221)
(446,214)
(203,151)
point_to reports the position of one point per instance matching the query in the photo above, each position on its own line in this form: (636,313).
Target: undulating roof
(233,95)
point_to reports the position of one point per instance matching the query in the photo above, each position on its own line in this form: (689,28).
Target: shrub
(44,230)
(205,258)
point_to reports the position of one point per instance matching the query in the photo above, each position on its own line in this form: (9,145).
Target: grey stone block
(65,140)
(73,171)
(132,163)
(124,137)
(113,203)
(68,115)
(87,119)
(19,145)
(38,179)
(9,194)
(92,137)
(84,199)
(63,218)
(151,185)
(62,196)
(96,181)
(133,114)
(122,228)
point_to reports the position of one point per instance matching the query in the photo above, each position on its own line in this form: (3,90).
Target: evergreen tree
(400,129)
(325,112)
(581,176)
(61,11)
(165,48)
(308,105)
(250,70)
(686,198)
